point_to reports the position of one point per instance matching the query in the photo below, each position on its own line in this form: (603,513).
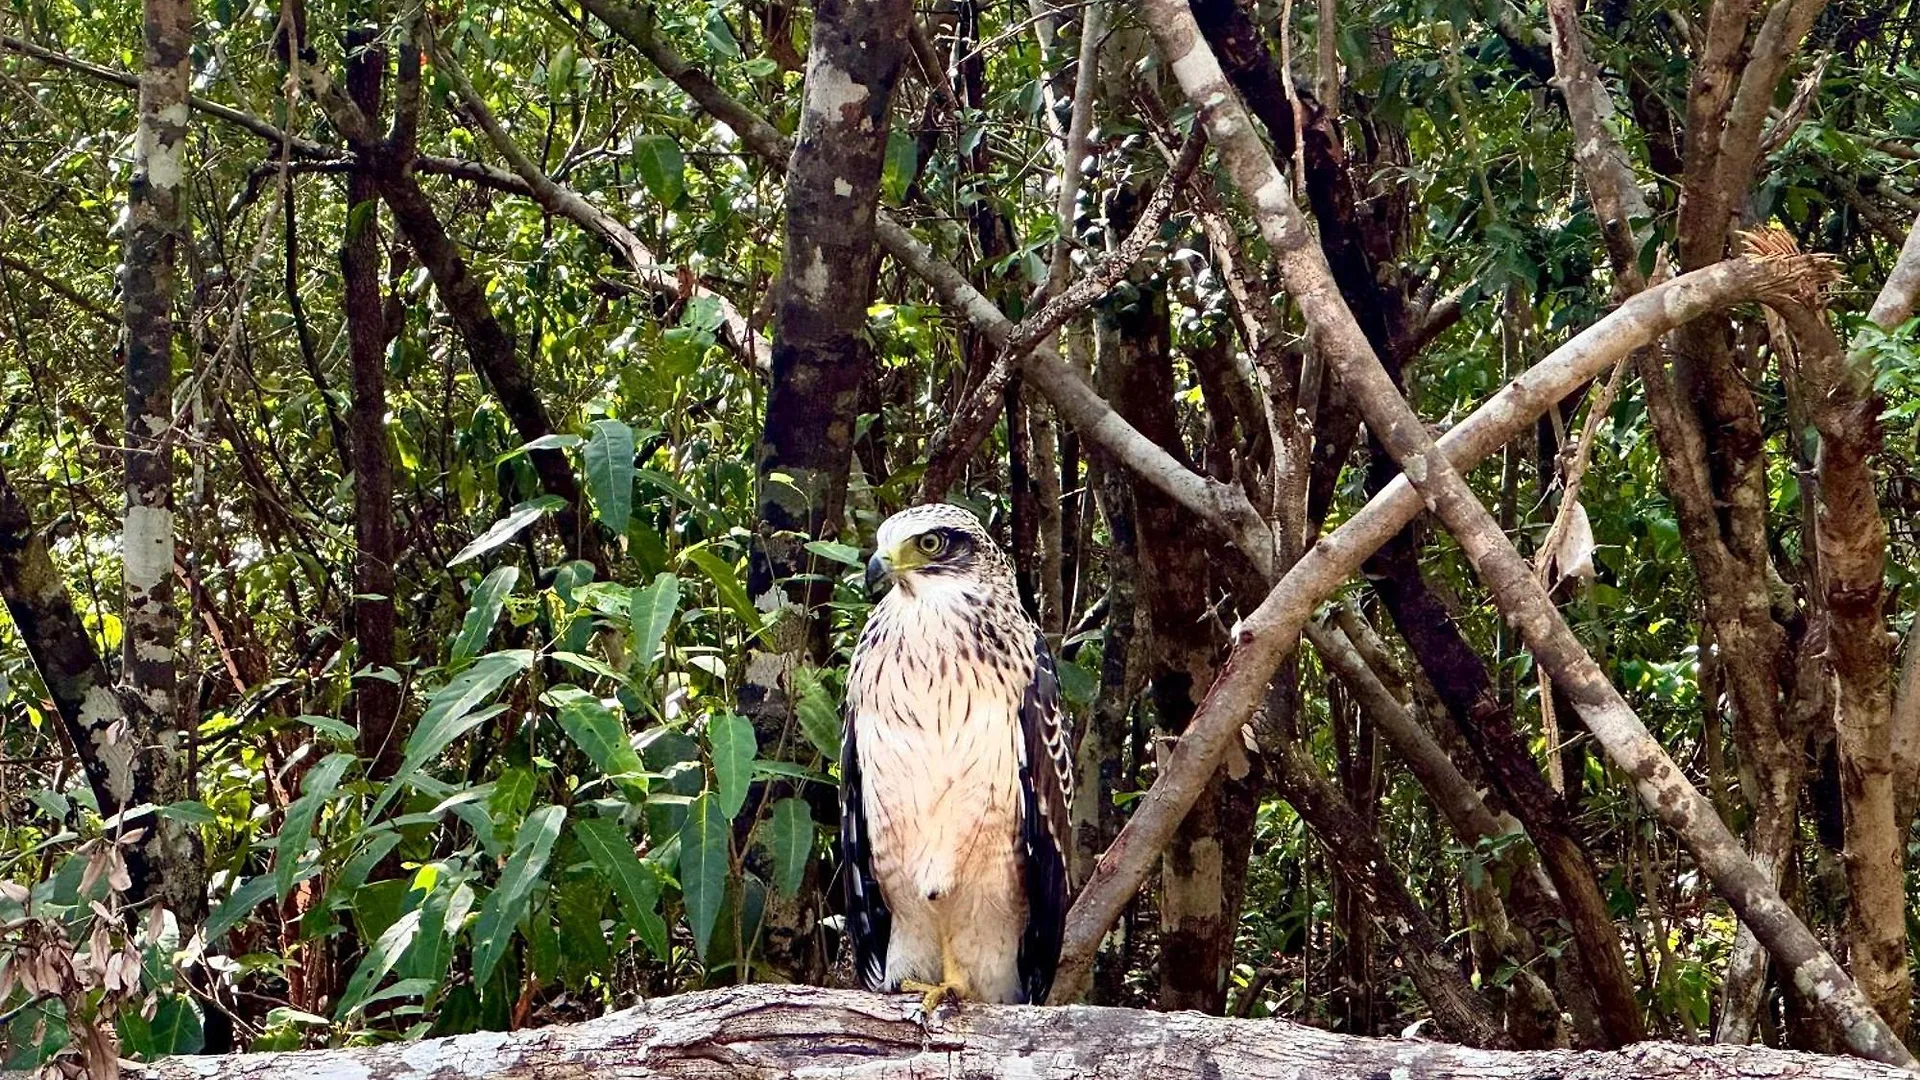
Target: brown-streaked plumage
(956,773)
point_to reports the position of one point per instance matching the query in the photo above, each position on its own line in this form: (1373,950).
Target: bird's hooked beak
(879,574)
(890,565)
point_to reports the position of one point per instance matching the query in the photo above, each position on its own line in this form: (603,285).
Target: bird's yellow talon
(933,995)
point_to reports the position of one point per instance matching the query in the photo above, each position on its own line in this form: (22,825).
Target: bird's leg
(952,984)
(932,994)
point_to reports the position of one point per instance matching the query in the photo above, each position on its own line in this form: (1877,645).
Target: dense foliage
(581,809)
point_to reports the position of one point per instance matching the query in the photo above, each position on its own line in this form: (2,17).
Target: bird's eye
(931,543)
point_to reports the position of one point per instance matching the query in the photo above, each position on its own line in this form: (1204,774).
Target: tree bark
(1364,867)
(156,233)
(376,700)
(1267,635)
(462,289)
(1467,690)
(1197,902)
(766,1031)
(1851,537)
(463,292)
(76,678)
(1533,1015)
(820,356)
(1660,783)
(819,352)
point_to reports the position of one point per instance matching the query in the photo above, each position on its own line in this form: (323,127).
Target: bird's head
(937,541)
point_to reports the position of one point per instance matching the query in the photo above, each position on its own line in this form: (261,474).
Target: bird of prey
(956,773)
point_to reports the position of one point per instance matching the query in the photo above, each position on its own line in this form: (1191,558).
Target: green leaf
(819,714)
(354,873)
(599,734)
(898,169)
(650,613)
(507,904)
(544,442)
(730,738)
(790,839)
(297,829)
(174,1029)
(609,457)
(191,811)
(840,553)
(667,483)
(634,882)
(332,727)
(1077,684)
(450,713)
(662,167)
(726,581)
(560,71)
(592,665)
(378,962)
(508,527)
(763,768)
(704,862)
(361,216)
(719,36)
(488,599)
(244,899)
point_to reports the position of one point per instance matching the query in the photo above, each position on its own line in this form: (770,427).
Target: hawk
(956,773)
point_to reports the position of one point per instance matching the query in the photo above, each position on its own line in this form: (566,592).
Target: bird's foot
(932,995)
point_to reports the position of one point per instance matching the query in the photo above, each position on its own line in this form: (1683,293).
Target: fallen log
(766,1031)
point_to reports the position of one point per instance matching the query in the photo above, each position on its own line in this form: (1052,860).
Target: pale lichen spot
(148,540)
(1018,1067)
(1196,67)
(814,281)
(1272,194)
(842,188)
(98,707)
(833,91)
(163,164)
(116,756)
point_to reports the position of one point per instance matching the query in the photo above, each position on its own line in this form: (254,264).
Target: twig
(954,444)
(1543,559)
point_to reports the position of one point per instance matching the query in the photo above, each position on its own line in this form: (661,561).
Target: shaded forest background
(439,441)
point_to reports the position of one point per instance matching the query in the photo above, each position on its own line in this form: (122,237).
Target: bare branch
(569,204)
(951,447)
(1618,730)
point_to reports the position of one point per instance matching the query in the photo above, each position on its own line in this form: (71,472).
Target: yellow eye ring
(930,543)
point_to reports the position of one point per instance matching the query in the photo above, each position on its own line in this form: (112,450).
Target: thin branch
(60,288)
(1615,727)
(1267,636)
(951,447)
(567,203)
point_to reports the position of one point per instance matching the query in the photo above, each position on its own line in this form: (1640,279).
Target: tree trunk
(1364,867)
(1467,690)
(56,639)
(788,1030)
(376,700)
(156,233)
(1852,539)
(463,292)
(1659,782)
(1205,865)
(820,357)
